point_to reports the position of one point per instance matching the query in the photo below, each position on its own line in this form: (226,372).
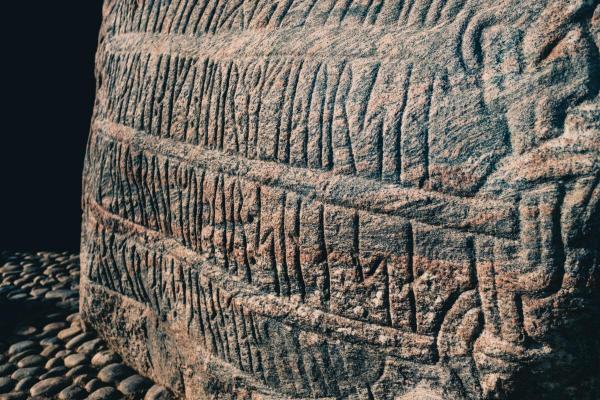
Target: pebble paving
(46,352)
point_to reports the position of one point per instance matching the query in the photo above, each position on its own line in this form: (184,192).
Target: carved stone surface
(348,199)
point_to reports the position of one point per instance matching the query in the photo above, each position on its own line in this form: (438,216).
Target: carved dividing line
(389,340)
(317,44)
(486,216)
(205,17)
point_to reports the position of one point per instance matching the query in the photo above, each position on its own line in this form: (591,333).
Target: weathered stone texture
(350,199)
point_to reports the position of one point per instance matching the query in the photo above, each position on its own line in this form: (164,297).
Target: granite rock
(347,199)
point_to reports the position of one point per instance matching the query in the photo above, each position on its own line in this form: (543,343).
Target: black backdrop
(47,94)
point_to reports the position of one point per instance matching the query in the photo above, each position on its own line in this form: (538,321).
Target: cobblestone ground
(45,350)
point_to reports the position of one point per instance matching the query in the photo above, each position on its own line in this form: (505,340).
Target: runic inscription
(335,199)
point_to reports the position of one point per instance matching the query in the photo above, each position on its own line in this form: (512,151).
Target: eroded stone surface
(347,199)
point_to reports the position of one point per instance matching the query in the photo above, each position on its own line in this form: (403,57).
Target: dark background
(48,93)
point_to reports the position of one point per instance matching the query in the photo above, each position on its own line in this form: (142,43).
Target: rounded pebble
(72,392)
(74,360)
(60,294)
(134,386)
(94,385)
(63,353)
(44,335)
(18,296)
(82,380)
(158,392)
(51,341)
(21,355)
(50,350)
(55,326)
(14,396)
(7,369)
(73,317)
(6,384)
(31,361)
(26,373)
(54,372)
(54,362)
(69,333)
(113,373)
(49,387)
(79,340)
(91,346)
(105,393)
(104,358)
(25,384)
(80,370)
(21,346)
(25,330)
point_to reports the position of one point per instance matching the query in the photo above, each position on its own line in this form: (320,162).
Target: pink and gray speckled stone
(347,199)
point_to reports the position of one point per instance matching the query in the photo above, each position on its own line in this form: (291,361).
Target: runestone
(347,199)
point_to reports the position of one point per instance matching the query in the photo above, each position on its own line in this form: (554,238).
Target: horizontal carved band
(490,217)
